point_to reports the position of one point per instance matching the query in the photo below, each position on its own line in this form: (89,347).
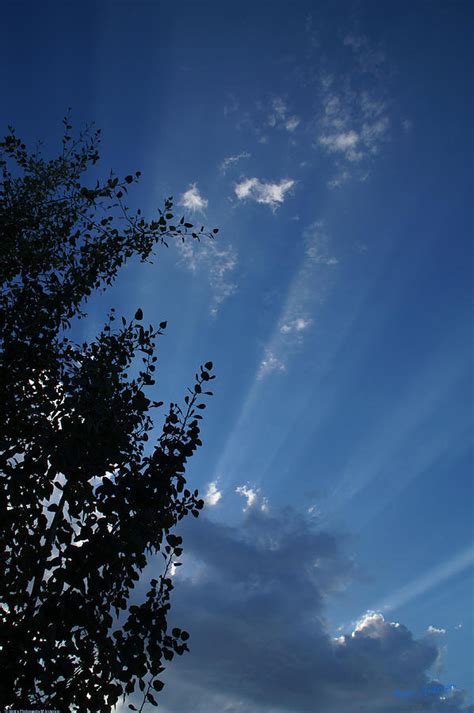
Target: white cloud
(213,494)
(270,363)
(353,122)
(433,631)
(272,194)
(306,293)
(296,325)
(249,494)
(292,123)
(193,200)
(231,160)
(372,134)
(279,107)
(219,262)
(222,264)
(370,58)
(340,142)
(339,179)
(317,245)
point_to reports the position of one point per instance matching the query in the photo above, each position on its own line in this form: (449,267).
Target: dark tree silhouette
(85,501)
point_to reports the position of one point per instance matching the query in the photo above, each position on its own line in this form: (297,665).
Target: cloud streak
(219,262)
(230,161)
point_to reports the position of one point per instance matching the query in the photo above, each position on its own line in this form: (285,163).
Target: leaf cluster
(85,500)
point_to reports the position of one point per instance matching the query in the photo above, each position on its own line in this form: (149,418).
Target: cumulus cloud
(255,608)
(272,194)
(232,160)
(213,494)
(193,200)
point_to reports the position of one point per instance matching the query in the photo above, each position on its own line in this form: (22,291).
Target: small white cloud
(232,105)
(296,325)
(355,41)
(231,160)
(433,631)
(372,134)
(292,123)
(193,200)
(249,494)
(269,363)
(344,141)
(213,495)
(272,194)
(279,107)
(339,180)
(316,254)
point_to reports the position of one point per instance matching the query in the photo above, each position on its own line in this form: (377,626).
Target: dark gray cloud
(253,598)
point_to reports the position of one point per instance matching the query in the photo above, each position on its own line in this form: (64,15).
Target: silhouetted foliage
(84,500)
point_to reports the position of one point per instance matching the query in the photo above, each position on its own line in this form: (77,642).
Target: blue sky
(331,143)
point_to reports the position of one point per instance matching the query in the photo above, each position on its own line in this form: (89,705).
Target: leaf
(128,179)
(151,699)
(139,314)
(158,685)
(208,365)
(163,325)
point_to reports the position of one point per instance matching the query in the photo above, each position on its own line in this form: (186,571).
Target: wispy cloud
(352,126)
(193,200)
(292,123)
(249,494)
(371,59)
(353,122)
(271,194)
(219,262)
(232,160)
(269,363)
(299,324)
(307,291)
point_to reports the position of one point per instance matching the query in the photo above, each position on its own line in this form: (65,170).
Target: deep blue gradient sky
(332,144)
